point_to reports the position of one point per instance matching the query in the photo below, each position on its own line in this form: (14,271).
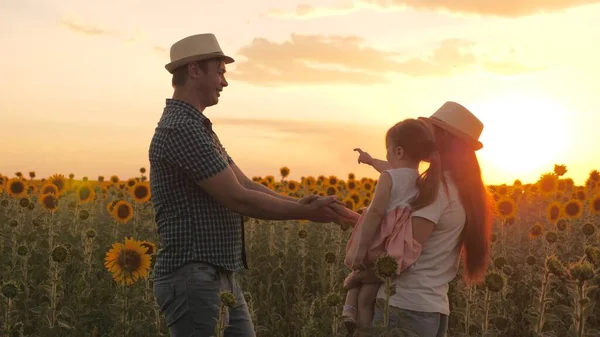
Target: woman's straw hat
(195,48)
(459,121)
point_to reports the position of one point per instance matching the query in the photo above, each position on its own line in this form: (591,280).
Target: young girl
(385,225)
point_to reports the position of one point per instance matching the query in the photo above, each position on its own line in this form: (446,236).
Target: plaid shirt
(191,224)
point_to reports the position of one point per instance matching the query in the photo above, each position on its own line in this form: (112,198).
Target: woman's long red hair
(461,161)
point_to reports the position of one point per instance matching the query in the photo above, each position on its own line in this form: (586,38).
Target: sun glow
(523,136)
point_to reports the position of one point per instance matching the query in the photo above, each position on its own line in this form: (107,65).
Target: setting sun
(524,135)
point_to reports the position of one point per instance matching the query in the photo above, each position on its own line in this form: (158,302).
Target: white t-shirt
(424,285)
(404,187)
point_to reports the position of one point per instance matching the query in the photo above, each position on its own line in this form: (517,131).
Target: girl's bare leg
(366,302)
(363,276)
(350,309)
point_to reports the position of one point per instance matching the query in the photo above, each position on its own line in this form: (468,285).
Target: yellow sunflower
(548,183)
(16,187)
(554,212)
(140,192)
(49,187)
(355,197)
(110,207)
(293,186)
(352,185)
(331,190)
(332,181)
(131,182)
(114,179)
(49,201)
(268,184)
(31,189)
(349,203)
(122,212)
(60,182)
(150,247)
(309,182)
(85,194)
(506,208)
(595,204)
(128,262)
(284,171)
(573,208)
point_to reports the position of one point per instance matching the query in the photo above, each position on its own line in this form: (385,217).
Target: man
(200,197)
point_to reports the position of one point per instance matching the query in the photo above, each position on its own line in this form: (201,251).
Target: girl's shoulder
(404,181)
(403,174)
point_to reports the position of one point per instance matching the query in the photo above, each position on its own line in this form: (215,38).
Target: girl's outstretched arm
(378,164)
(373,216)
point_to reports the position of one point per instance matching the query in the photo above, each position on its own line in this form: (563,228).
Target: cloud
(87,29)
(317,59)
(507,8)
(160,49)
(306,11)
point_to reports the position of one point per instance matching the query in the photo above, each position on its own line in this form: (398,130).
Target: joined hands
(329,209)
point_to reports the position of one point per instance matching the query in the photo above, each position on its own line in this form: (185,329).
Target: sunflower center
(129,260)
(49,201)
(84,193)
(554,213)
(506,208)
(123,211)
(572,208)
(140,192)
(17,187)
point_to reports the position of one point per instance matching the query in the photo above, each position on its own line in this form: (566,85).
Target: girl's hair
(460,160)
(416,138)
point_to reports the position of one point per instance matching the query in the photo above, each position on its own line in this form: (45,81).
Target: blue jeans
(419,323)
(189,299)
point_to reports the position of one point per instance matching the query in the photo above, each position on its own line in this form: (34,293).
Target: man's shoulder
(175,117)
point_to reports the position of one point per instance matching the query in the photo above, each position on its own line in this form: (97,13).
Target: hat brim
(178,63)
(474,143)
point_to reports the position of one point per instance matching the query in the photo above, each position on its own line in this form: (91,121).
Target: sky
(84,83)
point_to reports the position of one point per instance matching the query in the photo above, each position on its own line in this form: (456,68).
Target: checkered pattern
(191,224)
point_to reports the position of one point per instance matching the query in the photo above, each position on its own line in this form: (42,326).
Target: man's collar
(193,111)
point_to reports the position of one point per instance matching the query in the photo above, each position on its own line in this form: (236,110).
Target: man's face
(210,84)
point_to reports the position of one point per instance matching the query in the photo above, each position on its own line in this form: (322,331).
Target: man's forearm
(259,205)
(251,185)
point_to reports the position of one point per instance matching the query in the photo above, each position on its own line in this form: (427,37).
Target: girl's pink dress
(394,235)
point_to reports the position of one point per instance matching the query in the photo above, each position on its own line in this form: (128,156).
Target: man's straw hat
(195,48)
(459,121)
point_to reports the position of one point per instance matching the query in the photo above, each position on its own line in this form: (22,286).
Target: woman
(459,219)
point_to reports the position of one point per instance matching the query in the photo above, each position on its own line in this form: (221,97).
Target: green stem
(542,303)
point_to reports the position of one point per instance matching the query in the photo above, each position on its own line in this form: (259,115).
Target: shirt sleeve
(435,210)
(192,148)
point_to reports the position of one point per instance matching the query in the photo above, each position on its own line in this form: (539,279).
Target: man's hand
(308,199)
(364,157)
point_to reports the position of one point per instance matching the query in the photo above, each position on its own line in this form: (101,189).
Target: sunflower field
(77,256)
